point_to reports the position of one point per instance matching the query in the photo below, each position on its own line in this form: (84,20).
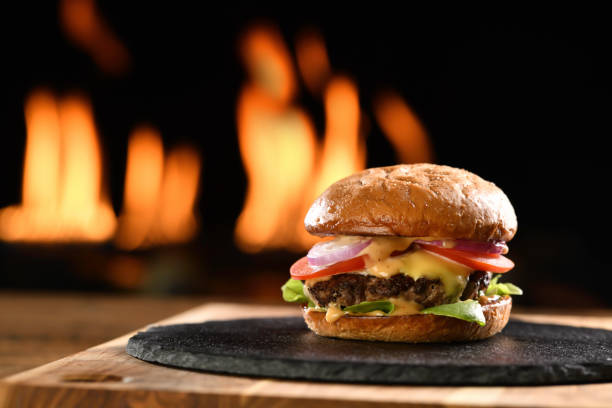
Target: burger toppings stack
(414,253)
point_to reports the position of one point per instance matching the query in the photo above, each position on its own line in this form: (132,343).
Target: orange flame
(286,168)
(84,25)
(343,149)
(403,128)
(269,63)
(312,60)
(62,197)
(159,196)
(278,148)
(42,154)
(178,195)
(143,178)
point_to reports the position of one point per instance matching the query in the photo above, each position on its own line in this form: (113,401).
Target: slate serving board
(523,354)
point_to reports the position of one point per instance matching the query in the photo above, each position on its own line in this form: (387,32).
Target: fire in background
(286,162)
(86,28)
(62,195)
(160,192)
(64,199)
(287,166)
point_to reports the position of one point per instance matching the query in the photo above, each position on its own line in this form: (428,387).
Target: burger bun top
(414,200)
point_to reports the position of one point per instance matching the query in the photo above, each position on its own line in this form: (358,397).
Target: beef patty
(350,289)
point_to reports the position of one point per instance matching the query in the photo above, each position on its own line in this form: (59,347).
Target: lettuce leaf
(293,291)
(365,307)
(468,310)
(502,289)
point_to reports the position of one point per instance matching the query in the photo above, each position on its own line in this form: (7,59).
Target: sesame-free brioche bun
(416,328)
(414,200)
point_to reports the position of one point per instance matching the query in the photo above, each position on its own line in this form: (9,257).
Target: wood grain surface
(105,375)
(37,328)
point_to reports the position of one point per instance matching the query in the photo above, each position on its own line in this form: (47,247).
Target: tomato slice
(302,269)
(481,262)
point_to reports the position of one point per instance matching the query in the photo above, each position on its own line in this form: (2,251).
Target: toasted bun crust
(414,200)
(417,328)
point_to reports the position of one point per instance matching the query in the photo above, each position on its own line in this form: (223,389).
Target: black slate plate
(524,353)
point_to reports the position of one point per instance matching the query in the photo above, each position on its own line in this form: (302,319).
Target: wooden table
(105,375)
(37,328)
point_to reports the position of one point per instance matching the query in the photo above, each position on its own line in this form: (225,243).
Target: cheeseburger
(412,257)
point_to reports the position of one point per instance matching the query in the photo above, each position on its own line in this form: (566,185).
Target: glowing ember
(403,128)
(159,196)
(85,27)
(62,197)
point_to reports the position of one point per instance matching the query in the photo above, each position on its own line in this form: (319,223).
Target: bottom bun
(417,328)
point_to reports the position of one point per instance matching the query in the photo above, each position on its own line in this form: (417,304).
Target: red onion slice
(329,252)
(494,247)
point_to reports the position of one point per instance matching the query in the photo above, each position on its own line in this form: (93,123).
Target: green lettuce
(365,307)
(502,289)
(293,291)
(468,310)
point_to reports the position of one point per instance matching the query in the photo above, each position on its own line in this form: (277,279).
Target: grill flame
(160,193)
(343,150)
(62,198)
(403,128)
(286,165)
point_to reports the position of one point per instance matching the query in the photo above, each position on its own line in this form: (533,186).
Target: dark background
(520,97)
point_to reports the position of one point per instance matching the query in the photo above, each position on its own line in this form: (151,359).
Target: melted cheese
(402,307)
(333,313)
(405,307)
(421,264)
(382,247)
(416,264)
